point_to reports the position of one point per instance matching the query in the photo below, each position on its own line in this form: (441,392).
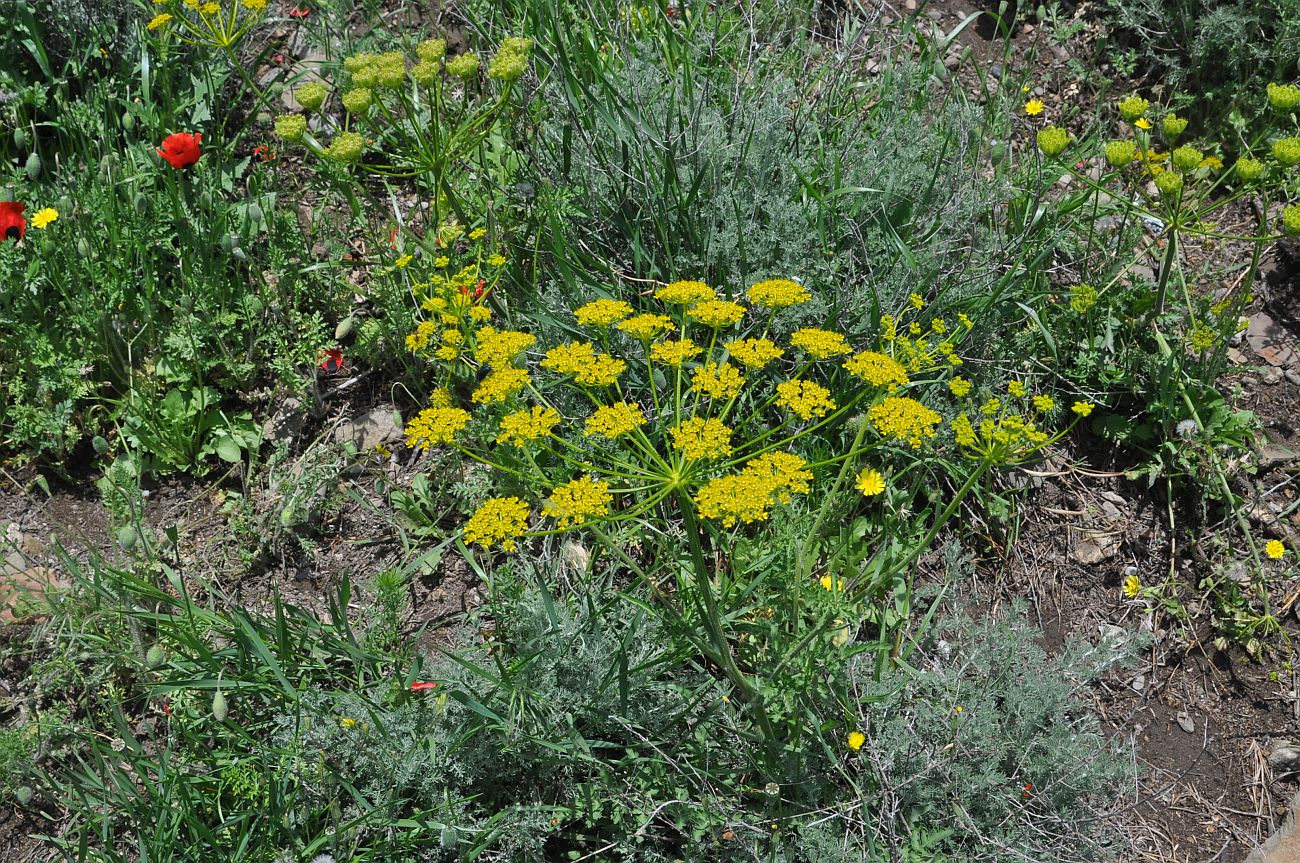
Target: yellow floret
(497,522)
(806,399)
(778,293)
(602,313)
(699,438)
(877,369)
(574,502)
(527,425)
(819,344)
(685,293)
(754,353)
(434,426)
(717,381)
(612,421)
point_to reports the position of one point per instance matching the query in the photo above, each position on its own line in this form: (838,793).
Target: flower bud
(311,96)
(346,147)
(1186,158)
(463,66)
(1120,153)
(431,50)
(1053,140)
(1133,107)
(1287,151)
(156,656)
(1291,220)
(290,128)
(1169,184)
(358,99)
(1249,170)
(1173,126)
(220,710)
(1283,97)
(99,443)
(33,167)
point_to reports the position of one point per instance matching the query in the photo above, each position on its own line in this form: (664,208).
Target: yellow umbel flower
(158,21)
(904,419)
(497,350)
(1016,389)
(962,430)
(674,353)
(1043,403)
(747,496)
(699,438)
(819,344)
(612,421)
(441,398)
(778,293)
(574,502)
(587,367)
(717,314)
(497,522)
(1082,408)
(754,353)
(959,386)
(434,426)
(501,385)
(1274,549)
(602,313)
(523,426)
(806,399)
(685,293)
(877,369)
(717,381)
(646,327)
(870,482)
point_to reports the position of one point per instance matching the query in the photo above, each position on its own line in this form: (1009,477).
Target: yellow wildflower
(523,426)
(674,353)
(158,21)
(497,522)
(1016,389)
(403,261)
(498,349)
(501,385)
(754,353)
(699,438)
(1082,408)
(42,218)
(959,386)
(717,381)
(819,344)
(574,502)
(870,482)
(877,369)
(1143,123)
(685,293)
(612,421)
(717,314)
(903,419)
(1034,107)
(587,367)
(1132,586)
(434,426)
(1044,403)
(602,313)
(806,399)
(856,739)
(778,293)
(646,327)
(747,496)
(828,583)
(1274,549)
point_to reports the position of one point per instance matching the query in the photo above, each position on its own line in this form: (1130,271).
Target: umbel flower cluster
(412,115)
(207,22)
(694,403)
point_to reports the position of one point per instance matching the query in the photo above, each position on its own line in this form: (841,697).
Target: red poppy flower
(12,224)
(333,360)
(181,149)
(300,12)
(263,153)
(422,685)
(167,706)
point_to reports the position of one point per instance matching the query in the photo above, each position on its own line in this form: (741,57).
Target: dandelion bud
(1291,220)
(1120,153)
(346,147)
(311,96)
(1283,97)
(463,66)
(1186,158)
(290,128)
(1053,140)
(1249,170)
(358,99)
(1287,151)
(431,50)
(1173,126)
(220,710)
(1169,184)
(1133,107)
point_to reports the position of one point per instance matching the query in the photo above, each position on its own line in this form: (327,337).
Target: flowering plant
(208,22)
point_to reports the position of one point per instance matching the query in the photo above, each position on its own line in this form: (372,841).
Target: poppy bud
(33,167)
(344,327)
(20,138)
(219,708)
(83,248)
(253,306)
(127,537)
(255,213)
(156,656)
(997,152)
(229,242)
(448,838)
(141,203)
(99,442)
(128,121)
(64,204)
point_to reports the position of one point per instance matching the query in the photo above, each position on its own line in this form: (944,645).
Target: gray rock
(1093,548)
(1284,845)
(376,427)
(1185,721)
(286,423)
(1284,756)
(1269,341)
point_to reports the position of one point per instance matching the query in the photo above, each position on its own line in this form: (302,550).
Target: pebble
(1138,683)
(1272,377)
(1185,722)
(1284,756)
(1292,376)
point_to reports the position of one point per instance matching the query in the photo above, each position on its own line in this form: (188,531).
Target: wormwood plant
(693,415)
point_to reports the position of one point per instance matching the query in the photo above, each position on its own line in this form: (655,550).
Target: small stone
(1284,845)
(1268,341)
(286,423)
(1093,548)
(366,432)
(996,70)
(1185,721)
(1284,756)
(1272,377)
(1138,683)
(1292,377)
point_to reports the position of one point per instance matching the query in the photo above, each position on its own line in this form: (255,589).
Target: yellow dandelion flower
(347,722)
(498,522)
(613,421)
(602,313)
(646,327)
(1132,586)
(435,426)
(754,353)
(870,482)
(42,218)
(819,344)
(574,502)
(805,399)
(685,293)
(832,584)
(1274,549)
(856,739)
(717,381)
(521,427)
(699,438)
(778,293)
(1143,123)
(1034,107)
(501,386)
(717,314)
(674,353)
(877,369)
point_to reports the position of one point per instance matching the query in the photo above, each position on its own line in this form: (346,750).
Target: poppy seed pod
(220,710)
